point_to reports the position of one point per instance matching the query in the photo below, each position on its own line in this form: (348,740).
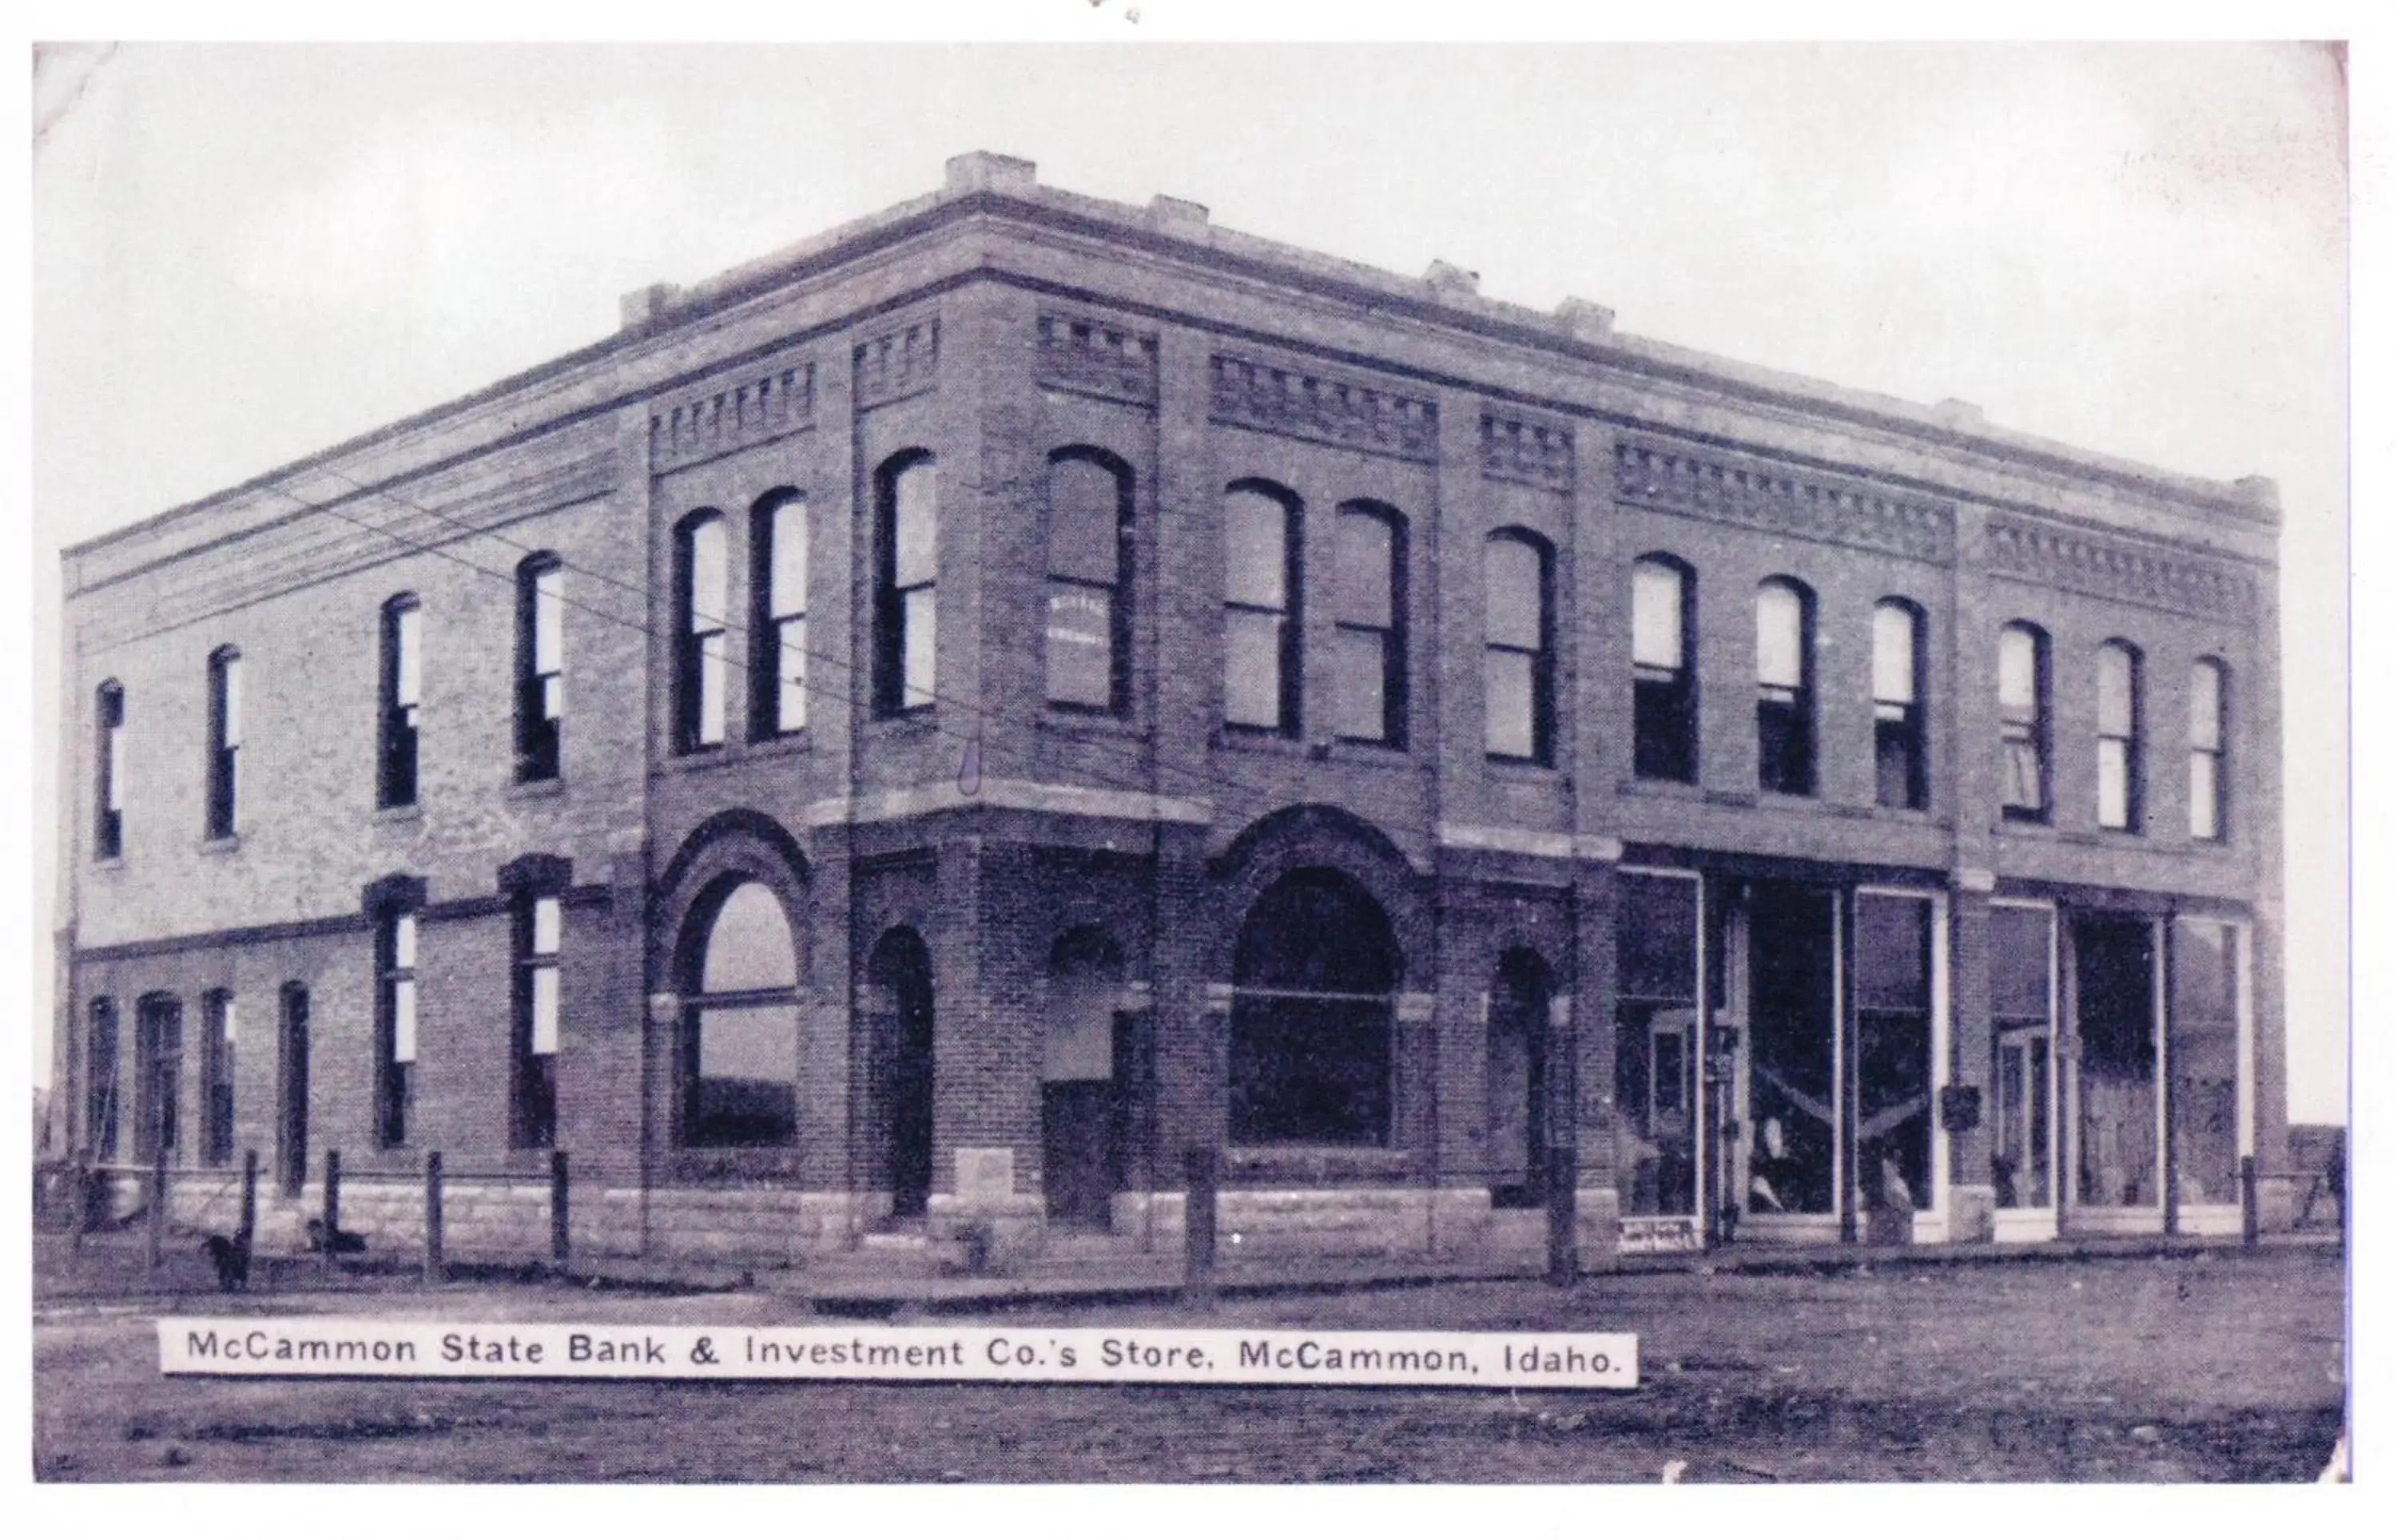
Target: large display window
(2119,1126)
(1657,1047)
(2205,1053)
(1894,1017)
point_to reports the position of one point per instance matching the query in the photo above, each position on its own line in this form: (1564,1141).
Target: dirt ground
(2211,1368)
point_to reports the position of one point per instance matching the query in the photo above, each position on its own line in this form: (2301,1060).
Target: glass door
(2022,1072)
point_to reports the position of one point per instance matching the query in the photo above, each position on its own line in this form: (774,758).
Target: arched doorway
(1517,1071)
(1083,1058)
(900,1070)
(1313,976)
(740,1057)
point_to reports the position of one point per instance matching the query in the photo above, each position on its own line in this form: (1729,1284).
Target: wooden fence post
(561,1238)
(1564,1239)
(155,1248)
(435,1271)
(81,1198)
(1201,1178)
(332,1217)
(2251,1220)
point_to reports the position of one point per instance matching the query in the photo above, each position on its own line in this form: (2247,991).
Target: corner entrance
(900,1126)
(1086,1056)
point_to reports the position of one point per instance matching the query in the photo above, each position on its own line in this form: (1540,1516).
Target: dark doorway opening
(2115,990)
(1086,1051)
(1519,1082)
(291,1121)
(901,975)
(1792,1073)
(1313,977)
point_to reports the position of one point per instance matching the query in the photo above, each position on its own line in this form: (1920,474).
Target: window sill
(1257,740)
(1525,772)
(535,790)
(407,813)
(1075,724)
(1670,791)
(221,844)
(108,863)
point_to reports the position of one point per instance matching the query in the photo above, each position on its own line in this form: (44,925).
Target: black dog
(231,1254)
(345,1243)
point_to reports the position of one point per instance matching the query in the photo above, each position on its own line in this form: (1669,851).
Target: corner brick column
(1582,1077)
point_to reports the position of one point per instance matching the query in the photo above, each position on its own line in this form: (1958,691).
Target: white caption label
(432,1349)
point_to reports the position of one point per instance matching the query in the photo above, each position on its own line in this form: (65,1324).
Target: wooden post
(2251,1219)
(332,1217)
(246,1233)
(561,1239)
(81,1220)
(1564,1239)
(435,1271)
(1200,1178)
(155,1250)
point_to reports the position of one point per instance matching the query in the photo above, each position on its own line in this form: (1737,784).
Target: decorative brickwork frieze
(733,415)
(2112,569)
(1097,359)
(1538,453)
(1250,394)
(902,362)
(1762,495)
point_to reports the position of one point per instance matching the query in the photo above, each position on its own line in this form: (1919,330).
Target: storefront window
(2205,1061)
(1791,1106)
(1656,1043)
(2115,973)
(1893,988)
(2022,1114)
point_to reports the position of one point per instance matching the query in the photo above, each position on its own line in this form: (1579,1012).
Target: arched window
(158,1053)
(1518,669)
(2120,714)
(1664,687)
(1785,687)
(740,1034)
(108,773)
(2208,707)
(291,1094)
(778,619)
(1313,976)
(403,664)
(217,1026)
(1261,613)
(1900,776)
(539,921)
(101,1080)
(1369,618)
(395,1026)
(906,556)
(224,742)
(2022,722)
(1090,571)
(541,667)
(701,576)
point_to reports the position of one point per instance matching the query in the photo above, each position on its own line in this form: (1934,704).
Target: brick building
(938,722)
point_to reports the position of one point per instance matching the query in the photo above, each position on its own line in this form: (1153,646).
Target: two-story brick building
(940,721)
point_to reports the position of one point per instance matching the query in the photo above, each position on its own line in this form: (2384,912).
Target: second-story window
(394,1028)
(1261,573)
(1517,692)
(540,667)
(1664,683)
(907,613)
(402,686)
(1089,628)
(778,620)
(2119,713)
(2022,723)
(1785,687)
(1898,770)
(532,1123)
(108,773)
(1369,638)
(699,682)
(224,742)
(2206,748)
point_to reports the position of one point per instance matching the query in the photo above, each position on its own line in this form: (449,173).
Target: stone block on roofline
(1447,278)
(1585,319)
(981,168)
(1953,413)
(1167,213)
(643,305)
(2262,491)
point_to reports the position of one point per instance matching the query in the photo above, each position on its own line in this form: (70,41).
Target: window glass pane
(2019,764)
(228,669)
(1081,652)
(544,1010)
(1656,616)
(1893,654)
(403,941)
(918,618)
(1256,529)
(917,527)
(406,635)
(2114,671)
(1511,580)
(548,923)
(788,532)
(1656,937)
(549,620)
(1780,636)
(114,771)
(225,1016)
(711,687)
(1361,570)
(1357,681)
(403,1021)
(1892,953)
(707,574)
(1253,668)
(2113,783)
(553,699)
(1080,1041)
(1506,686)
(758,1042)
(2204,811)
(2017,671)
(749,948)
(1083,518)
(2205,706)
(791,667)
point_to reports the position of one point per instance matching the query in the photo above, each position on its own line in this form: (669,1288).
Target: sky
(244,254)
